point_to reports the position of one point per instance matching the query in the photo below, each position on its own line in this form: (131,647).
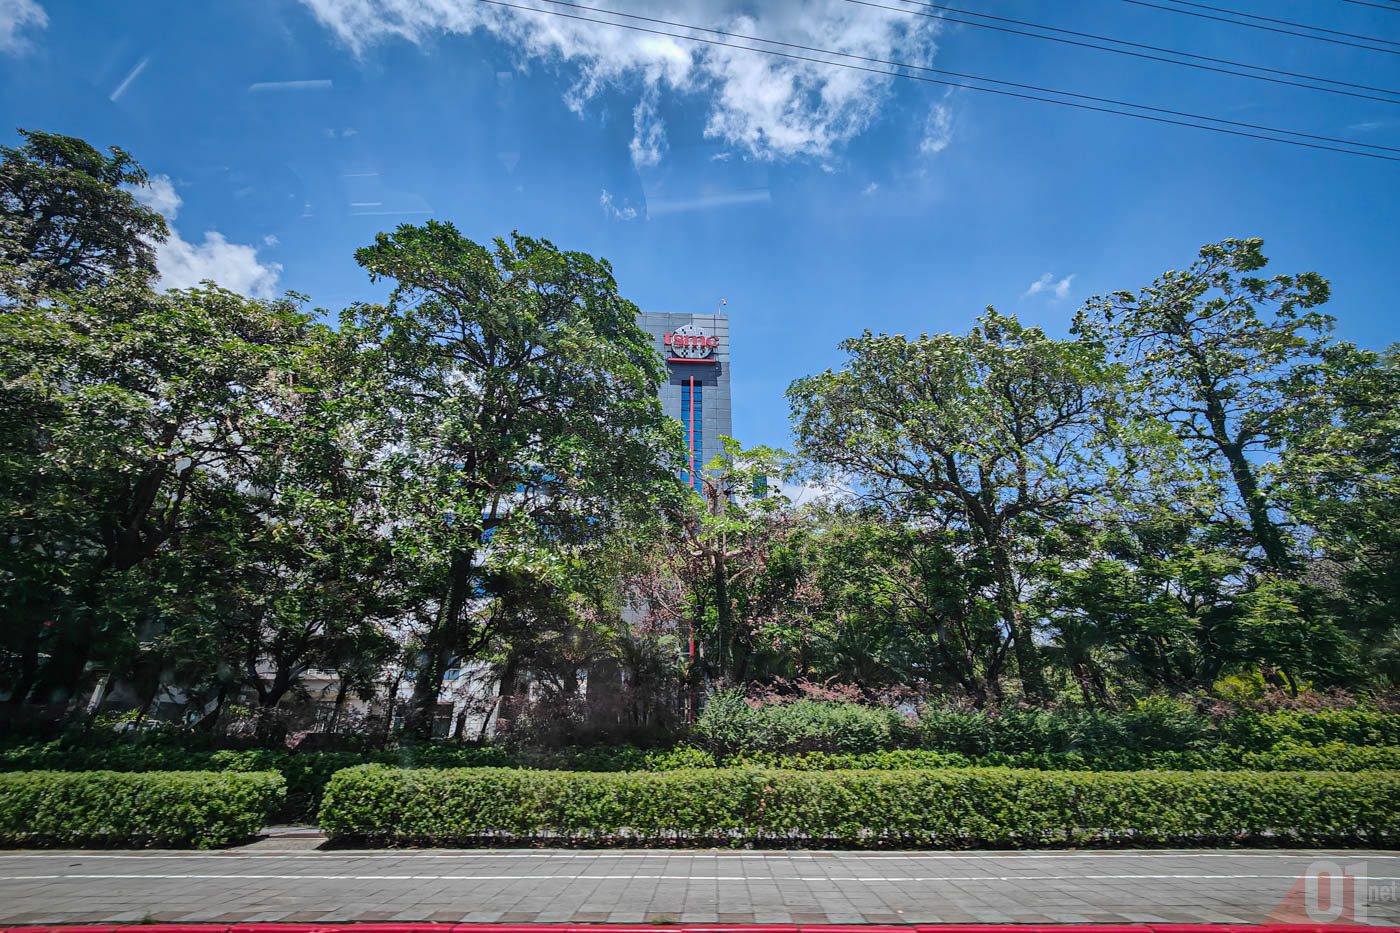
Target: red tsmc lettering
(689,340)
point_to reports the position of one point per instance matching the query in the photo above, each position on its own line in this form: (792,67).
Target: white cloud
(234,266)
(810,491)
(938,129)
(611,209)
(766,106)
(131,76)
(316,84)
(1047,283)
(871,188)
(183,264)
(159,195)
(648,130)
(659,207)
(15,17)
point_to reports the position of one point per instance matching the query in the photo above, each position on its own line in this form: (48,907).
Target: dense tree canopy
(519,395)
(69,219)
(205,498)
(993,435)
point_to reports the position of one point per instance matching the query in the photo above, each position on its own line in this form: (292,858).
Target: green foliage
(948,808)
(996,436)
(1334,756)
(160,809)
(1159,725)
(1315,727)
(729,724)
(1330,756)
(519,409)
(1213,349)
(205,497)
(67,221)
(1340,472)
(161,422)
(305,773)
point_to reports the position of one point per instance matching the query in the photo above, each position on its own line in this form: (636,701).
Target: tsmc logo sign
(690,342)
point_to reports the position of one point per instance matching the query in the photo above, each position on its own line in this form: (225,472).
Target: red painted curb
(702,928)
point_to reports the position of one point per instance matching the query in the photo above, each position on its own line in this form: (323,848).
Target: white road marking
(776,855)
(861,879)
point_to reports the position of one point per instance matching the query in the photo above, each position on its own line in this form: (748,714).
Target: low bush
(1333,756)
(901,759)
(1260,731)
(729,724)
(1153,725)
(306,773)
(945,808)
(197,809)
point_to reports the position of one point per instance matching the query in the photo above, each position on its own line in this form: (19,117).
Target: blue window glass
(693,418)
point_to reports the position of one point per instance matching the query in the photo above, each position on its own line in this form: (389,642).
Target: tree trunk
(342,688)
(28,668)
(724,620)
(440,646)
(504,693)
(1266,534)
(1009,605)
(210,720)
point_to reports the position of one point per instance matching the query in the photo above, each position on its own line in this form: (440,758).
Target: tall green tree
(1211,349)
(518,396)
(289,566)
(1340,473)
(120,408)
(908,604)
(996,433)
(67,217)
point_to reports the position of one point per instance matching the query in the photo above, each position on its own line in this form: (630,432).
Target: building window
(693,419)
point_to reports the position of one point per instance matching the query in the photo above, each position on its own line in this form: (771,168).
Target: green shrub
(900,759)
(1334,756)
(1153,725)
(729,724)
(953,807)
(306,773)
(1260,731)
(108,808)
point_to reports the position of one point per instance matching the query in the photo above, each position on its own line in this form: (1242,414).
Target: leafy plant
(197,809)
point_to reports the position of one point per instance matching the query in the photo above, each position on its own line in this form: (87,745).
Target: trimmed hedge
(174,809)
(729,725)
(1261,731)
(306,773)
(944,808)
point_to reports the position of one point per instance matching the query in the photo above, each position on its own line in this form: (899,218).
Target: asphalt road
(280,880)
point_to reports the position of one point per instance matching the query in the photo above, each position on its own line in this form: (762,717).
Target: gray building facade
(696,393)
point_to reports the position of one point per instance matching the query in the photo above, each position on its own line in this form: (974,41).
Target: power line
(1154,48)
(1155,58)
(942,71)
(1286,32)
(1379,6)
(954,84)
(1284,22)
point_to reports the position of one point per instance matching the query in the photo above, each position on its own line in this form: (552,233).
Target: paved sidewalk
(292,883)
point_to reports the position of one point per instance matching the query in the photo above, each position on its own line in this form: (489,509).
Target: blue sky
(817,201)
